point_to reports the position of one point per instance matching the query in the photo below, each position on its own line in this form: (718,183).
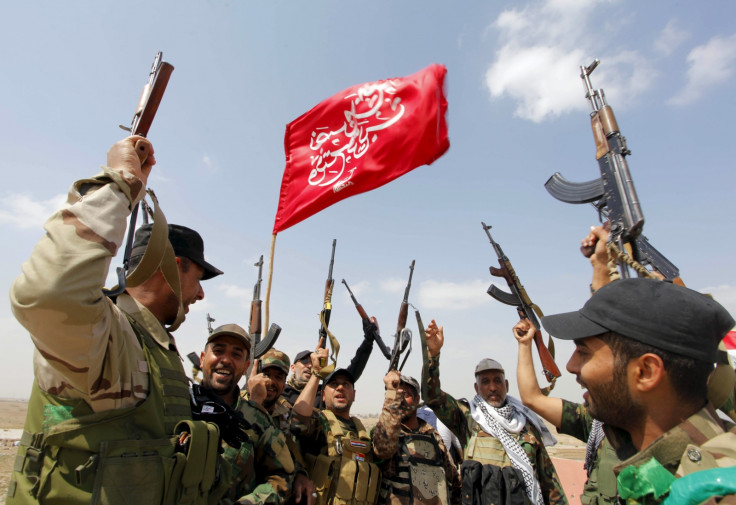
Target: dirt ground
(13,415)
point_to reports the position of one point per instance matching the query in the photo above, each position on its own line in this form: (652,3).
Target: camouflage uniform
(94,363)
(600,488)
(702,442)
(391,445)
(339,458)
(262,468)
(281,411)
(482,447)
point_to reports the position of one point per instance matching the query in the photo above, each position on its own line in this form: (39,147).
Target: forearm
(385,436)
(357,364)
(442,404)
(529,390)
(305,402)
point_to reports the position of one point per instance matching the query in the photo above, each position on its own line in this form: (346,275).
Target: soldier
(336,446)
(568,417)
(302,366)
(262,467)
(275,367)
(505,457)
(644,349)
(108,377)
(416,464)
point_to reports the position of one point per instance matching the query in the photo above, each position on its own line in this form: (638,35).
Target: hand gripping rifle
(613,194)
(402,338)
(146,110)
(524,306)
(260,347)
(375,334)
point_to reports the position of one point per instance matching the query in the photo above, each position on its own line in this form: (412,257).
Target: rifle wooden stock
(519,298)
(151,97)
(549,367)
(403,316)
(255,327)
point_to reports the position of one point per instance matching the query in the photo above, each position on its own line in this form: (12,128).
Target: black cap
(657,313)
(185,241)
(301,355)
(340,371)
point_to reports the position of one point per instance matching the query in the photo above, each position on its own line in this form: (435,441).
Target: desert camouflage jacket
(262,468)
(702,442)
(600,488)
(457,417)
(386,436)
(86,348)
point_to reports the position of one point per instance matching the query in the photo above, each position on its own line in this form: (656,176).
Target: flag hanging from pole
(360,139)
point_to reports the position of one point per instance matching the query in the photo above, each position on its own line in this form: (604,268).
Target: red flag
(361,139)
(730,340)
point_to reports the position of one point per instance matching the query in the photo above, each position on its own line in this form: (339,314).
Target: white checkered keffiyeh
(499,422)
(594,441)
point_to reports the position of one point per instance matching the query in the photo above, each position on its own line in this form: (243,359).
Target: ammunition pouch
(160,471)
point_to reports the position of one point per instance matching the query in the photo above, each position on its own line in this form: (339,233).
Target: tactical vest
(420,472)
(69,454)
(486,450)
(345,475)
(600,488)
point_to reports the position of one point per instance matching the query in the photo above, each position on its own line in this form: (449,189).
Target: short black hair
(689,376)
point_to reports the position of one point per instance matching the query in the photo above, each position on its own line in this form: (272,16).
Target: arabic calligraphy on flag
(360,139)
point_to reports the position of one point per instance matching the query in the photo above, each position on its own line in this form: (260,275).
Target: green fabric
(55,414)
(699,486)
(637,483)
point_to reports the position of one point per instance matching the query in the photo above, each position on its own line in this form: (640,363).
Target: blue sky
(73,71)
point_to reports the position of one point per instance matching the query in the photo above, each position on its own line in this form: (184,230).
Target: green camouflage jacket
(700,443)
(262,468)
(600,488)
(386,447)
(456,416)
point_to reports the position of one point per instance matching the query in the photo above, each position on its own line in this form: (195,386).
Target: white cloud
(542,48)
(452,295)
(394,285)
(709,65)
(23,212)
(670,38)
(242,295)
(209,163)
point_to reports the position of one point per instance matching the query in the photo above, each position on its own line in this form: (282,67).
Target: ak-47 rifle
(613,194)
(324,315)
(524,306)
(375,335)
(402,337)
(260,346)
(146,110)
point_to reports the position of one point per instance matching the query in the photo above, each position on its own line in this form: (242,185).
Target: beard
(612,404)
